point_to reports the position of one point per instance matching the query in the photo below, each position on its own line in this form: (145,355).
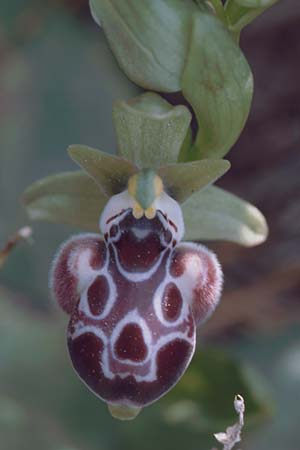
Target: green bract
(218,83)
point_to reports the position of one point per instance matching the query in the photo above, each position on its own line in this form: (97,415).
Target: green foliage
(182,45)
(190,47)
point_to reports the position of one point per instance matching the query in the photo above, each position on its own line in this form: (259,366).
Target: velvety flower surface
(135,297)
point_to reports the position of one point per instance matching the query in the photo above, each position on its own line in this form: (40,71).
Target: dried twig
(23,234)
(232,434)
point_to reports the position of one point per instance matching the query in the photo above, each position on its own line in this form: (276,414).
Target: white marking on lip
(139,233)
(112,296)
(152,349)
(162,342)
(157,303)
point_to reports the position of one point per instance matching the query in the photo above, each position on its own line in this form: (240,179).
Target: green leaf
(150,131)
(218,83)
(148,39)
(111,173)
(215,214)
(183,179)
(71,198)
(203,398)
(240,13)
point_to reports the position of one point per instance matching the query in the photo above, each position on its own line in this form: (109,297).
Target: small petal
(110,172)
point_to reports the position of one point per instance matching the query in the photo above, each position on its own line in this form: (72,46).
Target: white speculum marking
(152,352)
(185,284)
(158,300)
(153,349)
(139,233)
(164,340)
(109,303)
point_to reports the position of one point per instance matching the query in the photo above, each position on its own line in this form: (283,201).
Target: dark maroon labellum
(134,301)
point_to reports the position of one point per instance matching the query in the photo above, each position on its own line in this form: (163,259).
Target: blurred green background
(58,81)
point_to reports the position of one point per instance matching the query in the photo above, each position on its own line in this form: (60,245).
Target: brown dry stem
(22,234)
(232,435)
